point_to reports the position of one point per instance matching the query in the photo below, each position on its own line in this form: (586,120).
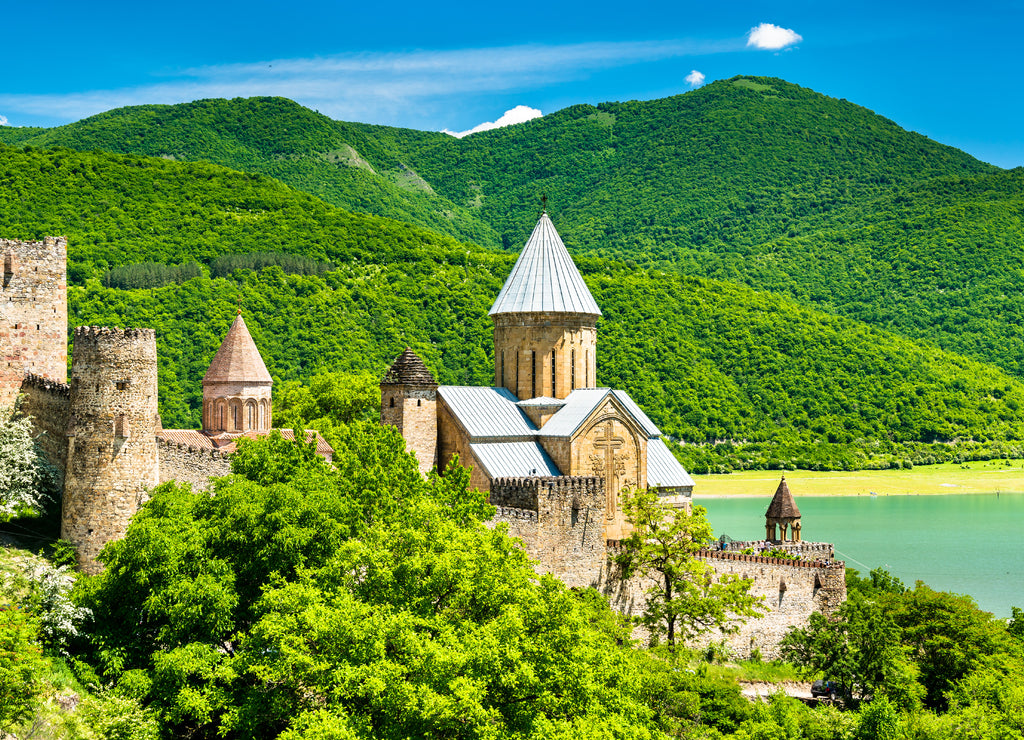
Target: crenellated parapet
(46,385)
(740,557)
(187,463)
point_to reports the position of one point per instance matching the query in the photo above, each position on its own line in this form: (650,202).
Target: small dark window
(553,374)
(392,402)
(419,401)
(575,516)
(122,385)
(38,326)
(533,374)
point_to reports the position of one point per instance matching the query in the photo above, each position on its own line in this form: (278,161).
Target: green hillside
(709,360)
(749,180)
(277,137)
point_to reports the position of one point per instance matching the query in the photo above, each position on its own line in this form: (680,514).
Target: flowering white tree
(26,479)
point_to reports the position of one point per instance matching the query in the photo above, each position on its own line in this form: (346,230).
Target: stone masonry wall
(806,550)
(112,454)
(792,590)
(187,464)
(33,313)
(559,520)
(451,441)
(48,403)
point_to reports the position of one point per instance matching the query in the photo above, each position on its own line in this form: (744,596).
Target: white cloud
(519,114)
(770,36)
(3,120)
(412,87)
(695,78)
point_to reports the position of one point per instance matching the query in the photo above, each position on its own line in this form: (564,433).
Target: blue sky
(952,71)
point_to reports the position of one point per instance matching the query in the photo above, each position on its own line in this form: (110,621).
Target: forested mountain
(750,180)
(708,359)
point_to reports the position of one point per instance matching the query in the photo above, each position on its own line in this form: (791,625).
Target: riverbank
(988,476)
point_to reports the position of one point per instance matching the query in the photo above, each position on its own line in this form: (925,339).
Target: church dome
(545,279)
(237,360)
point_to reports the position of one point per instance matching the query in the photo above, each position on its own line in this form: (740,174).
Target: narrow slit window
(533,374)
(554,394)
(572,370)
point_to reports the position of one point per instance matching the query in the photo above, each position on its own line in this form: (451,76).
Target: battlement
(46,385)
(87,333)
(526,492)
(51,247)
(817,550)
(743,558)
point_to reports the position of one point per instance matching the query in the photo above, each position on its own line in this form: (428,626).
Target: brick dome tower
(237,386)
(112,454)
(545,322)
(408,402)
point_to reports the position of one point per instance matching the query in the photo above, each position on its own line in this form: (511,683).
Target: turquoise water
(967,544)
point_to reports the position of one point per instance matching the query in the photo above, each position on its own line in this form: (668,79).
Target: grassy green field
(973,477)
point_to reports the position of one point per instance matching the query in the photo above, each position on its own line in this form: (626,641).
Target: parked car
(826,688)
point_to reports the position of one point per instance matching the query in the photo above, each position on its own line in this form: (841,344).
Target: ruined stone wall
(48,403)
(33,313)
(112,453)
(524,343)
(522,524)
(451,441)
(792,590)
(187,464)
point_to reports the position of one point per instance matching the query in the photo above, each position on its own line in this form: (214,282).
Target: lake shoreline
(973,478)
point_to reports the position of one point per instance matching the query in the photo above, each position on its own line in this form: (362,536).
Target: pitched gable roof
(408,369)
(545,279)
(487,413)
(783,505)
(580,404)
(237,360)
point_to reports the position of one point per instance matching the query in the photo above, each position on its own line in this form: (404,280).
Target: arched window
(251,415)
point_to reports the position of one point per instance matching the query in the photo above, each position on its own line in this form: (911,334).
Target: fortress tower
(545,322)
(409,403)
(237,386)
(33,313)
(112,452)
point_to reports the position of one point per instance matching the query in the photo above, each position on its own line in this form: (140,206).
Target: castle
(102,431)
(555,452)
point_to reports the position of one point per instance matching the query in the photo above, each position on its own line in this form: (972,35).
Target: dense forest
(750,180)
(177,246)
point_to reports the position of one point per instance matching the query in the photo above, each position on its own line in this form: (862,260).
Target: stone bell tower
(545,322)
(408,402)
(782,513)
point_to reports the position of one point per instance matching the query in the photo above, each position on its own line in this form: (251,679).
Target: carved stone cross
(609,444)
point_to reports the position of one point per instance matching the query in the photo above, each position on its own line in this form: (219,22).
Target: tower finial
(544,203)
(239,304)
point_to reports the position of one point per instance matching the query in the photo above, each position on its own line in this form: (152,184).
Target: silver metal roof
(578,406)
(663,470)
(487,413)
(513,459)
(542,401)
(581,403)
(637,413)
(544,278)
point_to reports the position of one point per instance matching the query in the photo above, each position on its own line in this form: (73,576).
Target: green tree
(21,663)
(27,480)
(684,598)
(860,647)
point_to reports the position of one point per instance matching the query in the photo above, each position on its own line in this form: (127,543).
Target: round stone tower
(237,386)
(545,322)
(112,453)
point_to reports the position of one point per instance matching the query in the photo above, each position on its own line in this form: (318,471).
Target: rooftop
(408,369)
(237,360)
(545,279)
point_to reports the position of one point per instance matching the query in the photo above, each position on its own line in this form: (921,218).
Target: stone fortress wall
(48,402)
(187,464)
(560,522)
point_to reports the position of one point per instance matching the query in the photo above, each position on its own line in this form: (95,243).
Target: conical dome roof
(237,360)
(408,369)
(545,279)
(783,505)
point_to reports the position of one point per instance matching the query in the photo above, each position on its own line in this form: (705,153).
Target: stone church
(545,416)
